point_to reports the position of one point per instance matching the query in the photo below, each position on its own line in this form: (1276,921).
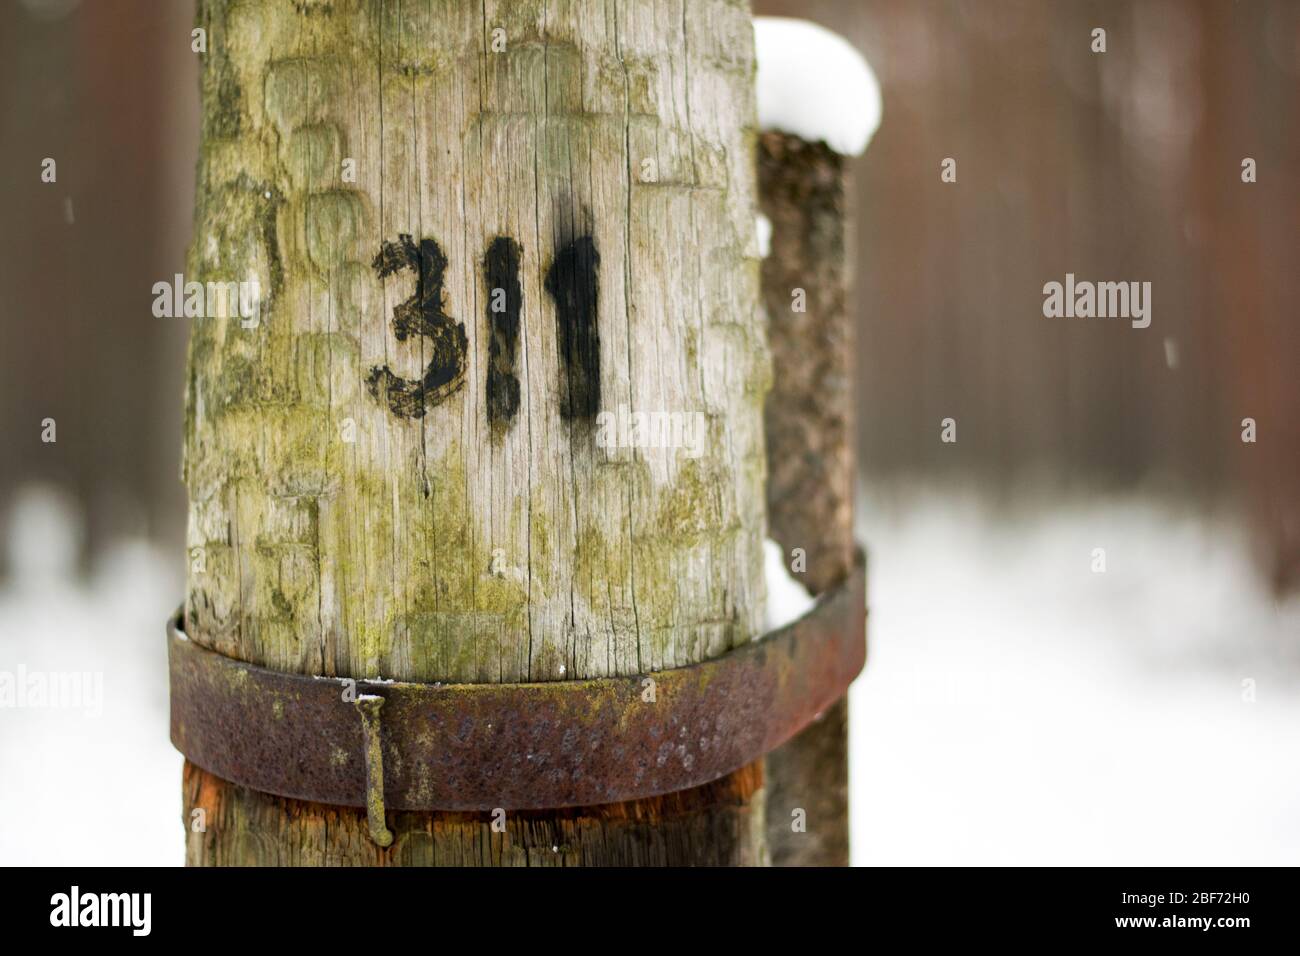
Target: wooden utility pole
(810,460)
(476,231)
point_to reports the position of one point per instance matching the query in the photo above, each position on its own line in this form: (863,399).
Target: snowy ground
(1017,707)
(76,786)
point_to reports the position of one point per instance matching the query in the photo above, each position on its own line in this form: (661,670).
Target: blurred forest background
(1011,692)
(1121,166)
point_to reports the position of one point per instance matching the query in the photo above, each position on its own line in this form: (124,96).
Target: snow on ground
(815,84)
(1018,708)
(87,785)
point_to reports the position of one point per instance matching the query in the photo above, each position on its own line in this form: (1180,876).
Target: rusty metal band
(513,746)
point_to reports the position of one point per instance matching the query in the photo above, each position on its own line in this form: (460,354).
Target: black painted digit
(420,314)
(571,282)
(505,299)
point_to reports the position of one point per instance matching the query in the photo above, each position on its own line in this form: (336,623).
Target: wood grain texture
(810,460)
(358,505)
(810,773)
(718,824)
(809,413)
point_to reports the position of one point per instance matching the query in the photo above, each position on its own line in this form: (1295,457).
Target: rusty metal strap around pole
(411,746)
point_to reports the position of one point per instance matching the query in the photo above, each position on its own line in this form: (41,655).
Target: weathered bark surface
(811,773)
(809,410)
(810,459)
(389,478)
(719,824)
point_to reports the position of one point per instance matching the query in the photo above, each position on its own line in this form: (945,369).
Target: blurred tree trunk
(474,230)
(810,462)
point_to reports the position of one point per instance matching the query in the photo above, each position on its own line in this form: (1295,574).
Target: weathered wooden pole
(481,233)
(818,103)
(810,462)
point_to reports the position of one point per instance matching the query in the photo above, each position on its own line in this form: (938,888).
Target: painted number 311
(571,284)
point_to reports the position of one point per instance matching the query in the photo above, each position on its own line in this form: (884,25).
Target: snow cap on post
(814,84)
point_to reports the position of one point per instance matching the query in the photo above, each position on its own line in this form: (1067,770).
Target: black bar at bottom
(377,908)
